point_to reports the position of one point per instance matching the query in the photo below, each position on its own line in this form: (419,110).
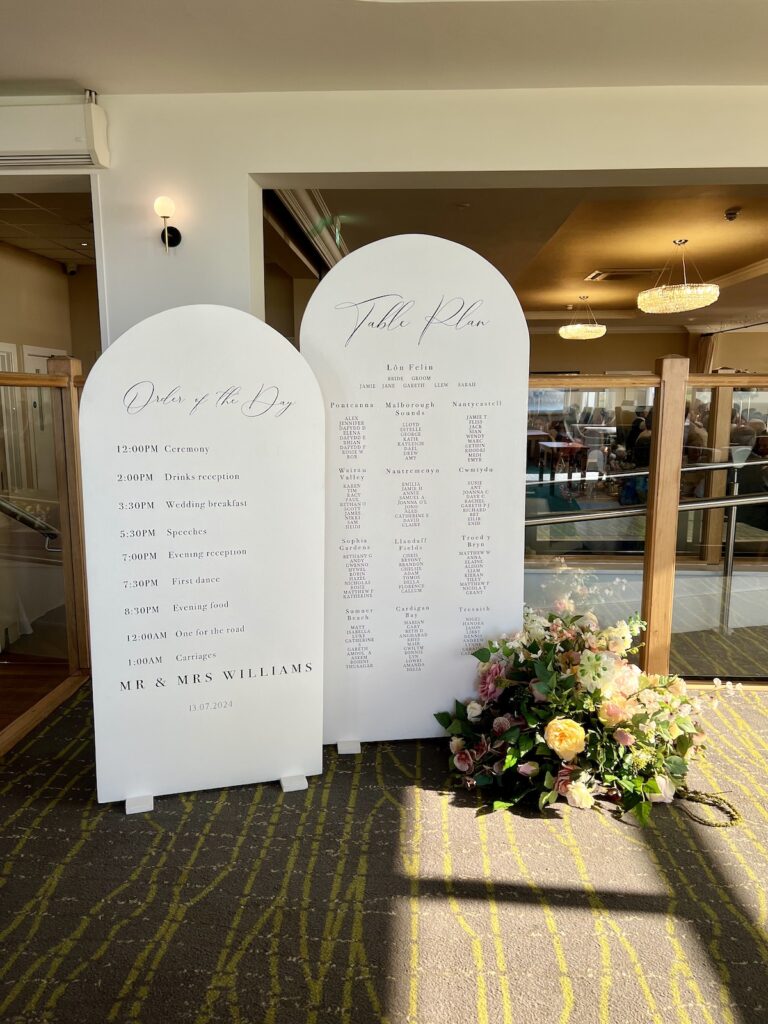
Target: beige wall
(40,305)
(303,289)
(84,316)
(742,350)
(278,300)
(34,301)
(616,351)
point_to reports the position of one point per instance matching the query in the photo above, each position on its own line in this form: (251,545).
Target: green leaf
(526,742)
(483,654)
(530,717)
(543,672)
(460,711)
(549,780)
(511,735)
(444,718)
(685,723)
(503,805)
(676,767)
(484,810)
(642,812)
(483,779)
(511,759)
(542,749)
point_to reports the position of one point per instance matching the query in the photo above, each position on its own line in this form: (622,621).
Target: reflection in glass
(32,617)
(720,620)
(588,450)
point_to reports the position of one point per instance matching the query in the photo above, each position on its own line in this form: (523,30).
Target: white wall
(200,150)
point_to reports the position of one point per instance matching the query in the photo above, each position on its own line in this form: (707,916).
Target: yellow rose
(565,737)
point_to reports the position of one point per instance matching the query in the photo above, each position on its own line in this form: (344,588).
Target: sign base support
(293,783)
(348,747)
(139,804)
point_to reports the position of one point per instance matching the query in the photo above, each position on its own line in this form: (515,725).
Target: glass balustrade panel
(588,452)
(32,614)
(720,618)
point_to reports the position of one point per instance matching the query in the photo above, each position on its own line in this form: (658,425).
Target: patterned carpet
(376,896)
(744,651)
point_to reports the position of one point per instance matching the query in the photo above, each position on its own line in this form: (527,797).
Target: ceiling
(547,241)
(183,46)
(57,225)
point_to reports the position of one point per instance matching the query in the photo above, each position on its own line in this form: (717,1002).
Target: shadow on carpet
(376,896)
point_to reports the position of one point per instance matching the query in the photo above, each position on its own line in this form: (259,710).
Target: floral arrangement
(561,713)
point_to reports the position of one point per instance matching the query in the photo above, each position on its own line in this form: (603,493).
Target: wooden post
(663,501)
(67,449)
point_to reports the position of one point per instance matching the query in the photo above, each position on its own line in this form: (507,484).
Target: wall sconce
(165,208)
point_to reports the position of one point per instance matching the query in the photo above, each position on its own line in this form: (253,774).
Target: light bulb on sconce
(165,208)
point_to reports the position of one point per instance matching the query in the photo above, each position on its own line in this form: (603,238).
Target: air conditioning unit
(53,135)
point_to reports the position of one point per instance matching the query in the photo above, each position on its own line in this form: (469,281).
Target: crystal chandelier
(677,298)
(583,331)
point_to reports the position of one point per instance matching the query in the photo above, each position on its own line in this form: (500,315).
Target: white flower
(617,639)
(474,710)
(457,744)
(666,792)
(536,626)
(579,795)
(597,671)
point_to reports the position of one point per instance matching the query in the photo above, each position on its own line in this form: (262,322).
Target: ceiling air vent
(52,135)
(622,274)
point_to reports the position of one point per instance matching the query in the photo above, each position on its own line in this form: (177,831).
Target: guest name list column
(203,494)
(421,351)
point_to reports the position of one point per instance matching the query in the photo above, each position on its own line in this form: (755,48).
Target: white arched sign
(202,461)
(421,350)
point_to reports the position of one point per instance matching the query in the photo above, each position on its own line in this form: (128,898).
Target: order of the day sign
(202,460)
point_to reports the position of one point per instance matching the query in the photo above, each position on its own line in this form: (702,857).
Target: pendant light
(583,331)
(677,298)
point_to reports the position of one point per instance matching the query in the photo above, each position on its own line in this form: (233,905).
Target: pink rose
(529,769)
(464,761)
(487,688)
(563,780)
(501,724)
(626,739)
(613,712)
(498,767)
(481,748)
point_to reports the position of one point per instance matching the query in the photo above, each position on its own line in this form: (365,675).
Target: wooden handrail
(739,381)
(33,380)
(601,381)
(593,381)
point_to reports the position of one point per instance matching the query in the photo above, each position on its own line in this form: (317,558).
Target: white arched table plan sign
(421,350)
(202,461)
